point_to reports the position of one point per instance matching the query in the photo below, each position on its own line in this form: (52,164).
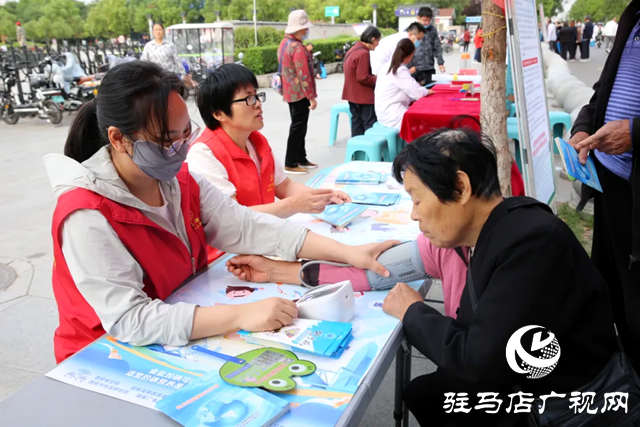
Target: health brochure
(583,173)
(341,215)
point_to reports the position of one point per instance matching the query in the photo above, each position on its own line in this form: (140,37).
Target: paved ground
(28,314)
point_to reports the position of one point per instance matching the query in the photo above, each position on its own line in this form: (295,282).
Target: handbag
(276,79)
(617,376)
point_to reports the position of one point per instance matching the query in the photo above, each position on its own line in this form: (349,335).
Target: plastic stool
(512,133)
(336,109)
(391,134)
(372,148)
(558,121)
(512,109)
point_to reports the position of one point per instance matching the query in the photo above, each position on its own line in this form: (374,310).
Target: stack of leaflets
(363,178)
(210,401)
(340,215)
(319,337)
(583,173)
(378,199)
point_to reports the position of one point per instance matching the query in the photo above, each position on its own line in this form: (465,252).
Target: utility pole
(375,14)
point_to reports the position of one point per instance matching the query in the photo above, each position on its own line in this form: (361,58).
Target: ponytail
(84,139)
(132,96)
(403,50)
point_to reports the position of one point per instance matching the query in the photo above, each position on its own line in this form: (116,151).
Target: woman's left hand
(340,197)
(365,256)
(400,298)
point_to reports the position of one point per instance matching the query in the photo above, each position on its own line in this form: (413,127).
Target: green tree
(599,10)
(108,18)
(60,19)
(7,23)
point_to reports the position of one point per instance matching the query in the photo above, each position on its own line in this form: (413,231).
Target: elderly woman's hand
(400,298)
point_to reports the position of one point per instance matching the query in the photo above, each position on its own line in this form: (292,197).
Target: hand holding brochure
(211,401)
(583,173)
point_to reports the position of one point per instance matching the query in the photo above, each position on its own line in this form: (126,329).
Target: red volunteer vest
(251,188)
(163,257)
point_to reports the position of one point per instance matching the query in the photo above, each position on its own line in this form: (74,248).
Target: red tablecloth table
(437,110)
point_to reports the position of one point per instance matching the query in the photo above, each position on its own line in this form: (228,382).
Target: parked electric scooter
(41,102)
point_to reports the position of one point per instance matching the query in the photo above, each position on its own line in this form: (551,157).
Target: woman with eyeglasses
(236,158)
(132,223)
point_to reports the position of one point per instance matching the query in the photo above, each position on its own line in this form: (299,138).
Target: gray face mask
(156,162)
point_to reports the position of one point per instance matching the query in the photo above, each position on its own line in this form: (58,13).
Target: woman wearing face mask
(298,89)
(395,88)
(132,224)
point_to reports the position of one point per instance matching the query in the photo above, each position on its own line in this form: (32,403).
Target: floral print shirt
(165,55)
(298,80)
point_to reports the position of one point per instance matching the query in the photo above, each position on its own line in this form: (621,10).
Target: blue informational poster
(134,374)
(210,401)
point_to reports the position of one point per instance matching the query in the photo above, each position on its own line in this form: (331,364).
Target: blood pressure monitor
(334,303)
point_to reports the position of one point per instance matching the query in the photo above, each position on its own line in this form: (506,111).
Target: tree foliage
(599,10)
(44,19)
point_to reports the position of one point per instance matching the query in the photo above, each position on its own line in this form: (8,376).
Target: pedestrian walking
(610,30)
(162,52)
(467,39)
(552,36)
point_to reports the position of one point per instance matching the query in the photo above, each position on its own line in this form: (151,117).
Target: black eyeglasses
(251,100)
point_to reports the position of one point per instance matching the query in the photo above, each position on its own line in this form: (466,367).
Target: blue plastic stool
(512,109)
(372,148)
(512,133)
(391,134)
(558,121)
(335,116)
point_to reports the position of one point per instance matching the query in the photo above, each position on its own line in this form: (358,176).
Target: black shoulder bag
(616,376)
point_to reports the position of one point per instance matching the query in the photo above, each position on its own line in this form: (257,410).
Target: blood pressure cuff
(322,274)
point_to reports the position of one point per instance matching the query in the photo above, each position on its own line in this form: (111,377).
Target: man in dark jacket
(422,65)
(587,34)
(359,82)
(526,268)
(566,36)
(609,127)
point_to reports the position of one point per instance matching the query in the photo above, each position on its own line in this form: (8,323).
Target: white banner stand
(531,100)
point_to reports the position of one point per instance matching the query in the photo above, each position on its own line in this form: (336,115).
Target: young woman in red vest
(132,223)
(232,155)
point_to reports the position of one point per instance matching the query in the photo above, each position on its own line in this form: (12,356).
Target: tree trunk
(493,114)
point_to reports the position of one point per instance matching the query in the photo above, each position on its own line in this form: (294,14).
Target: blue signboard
(332,11)
(474,19)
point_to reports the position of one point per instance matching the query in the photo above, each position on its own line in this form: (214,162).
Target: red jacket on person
(358,80)
(252,188)
(162,256)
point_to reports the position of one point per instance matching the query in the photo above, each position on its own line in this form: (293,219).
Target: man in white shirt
(552,37)
(610,30)
(387,46)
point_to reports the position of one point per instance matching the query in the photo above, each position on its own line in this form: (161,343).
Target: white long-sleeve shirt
(551,32)
(610,29)
(383,53)
(394,93)
(110,278)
